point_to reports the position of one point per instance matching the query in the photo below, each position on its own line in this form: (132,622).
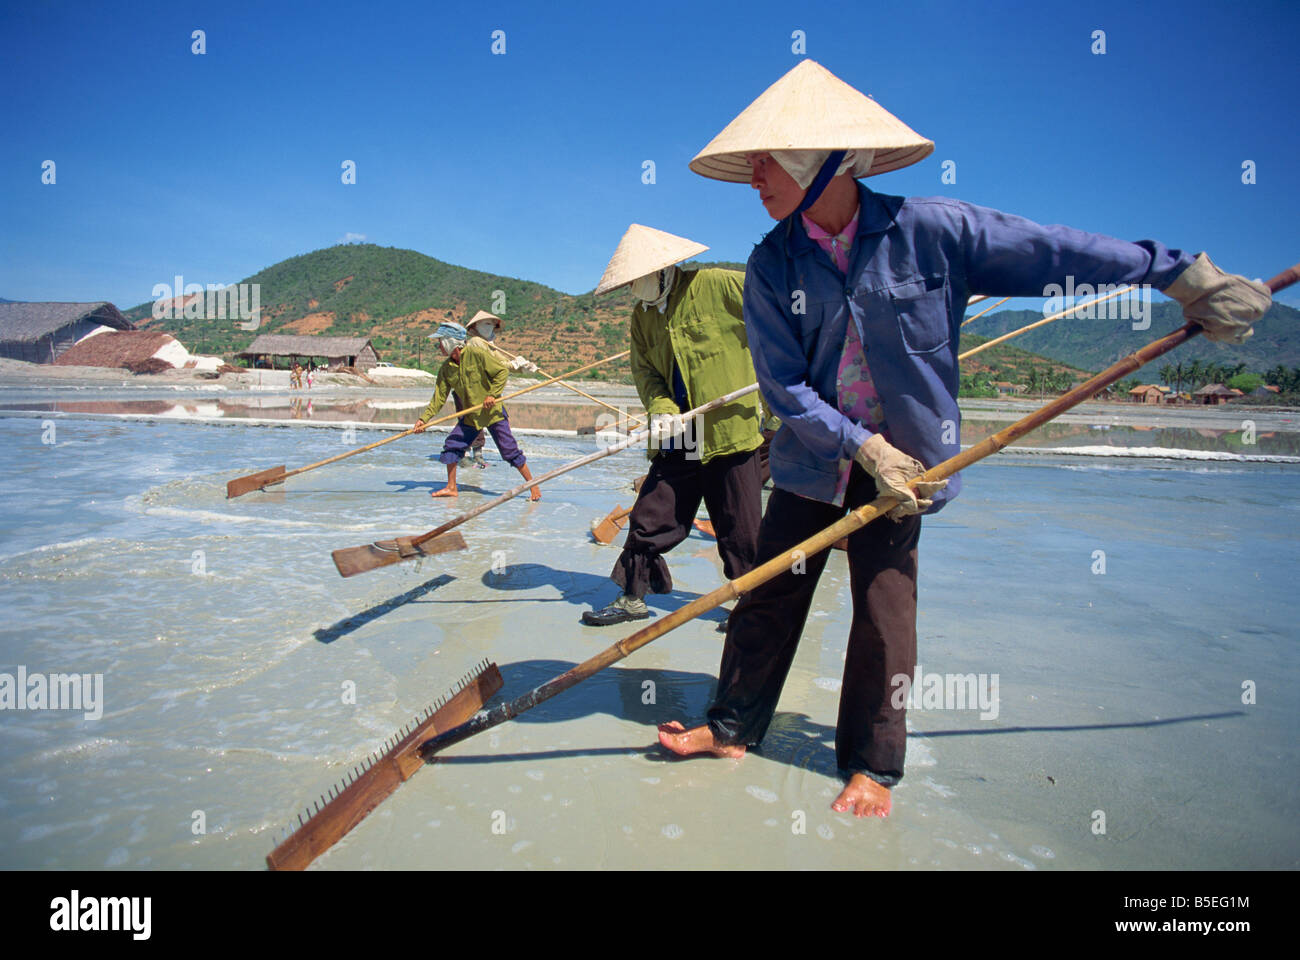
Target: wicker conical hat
(484,315)
(644,250)
(811,109)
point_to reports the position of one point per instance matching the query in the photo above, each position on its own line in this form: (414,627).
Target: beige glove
(523,363)
(664,428)
(1225,304)
(891,468)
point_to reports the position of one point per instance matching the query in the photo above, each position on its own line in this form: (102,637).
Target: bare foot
(537,494)
(447,491)
(864,796)
(685,742)
(706,527)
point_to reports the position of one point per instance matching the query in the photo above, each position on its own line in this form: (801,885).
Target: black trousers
(731,488)
(764,631)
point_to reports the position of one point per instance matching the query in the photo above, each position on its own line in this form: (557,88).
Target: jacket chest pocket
(921,311)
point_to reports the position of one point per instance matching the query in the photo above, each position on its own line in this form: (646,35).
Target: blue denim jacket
(914,264)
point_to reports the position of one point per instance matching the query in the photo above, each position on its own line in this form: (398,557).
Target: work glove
(891,468)
(665,428)
(1224,304)
(523,363)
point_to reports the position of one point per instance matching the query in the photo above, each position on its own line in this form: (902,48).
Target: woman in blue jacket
(852,307)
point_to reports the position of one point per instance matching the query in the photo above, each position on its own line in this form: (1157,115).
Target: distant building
(1005,387)
(41,332)
(1215,393)
(1148,393)
(334,351)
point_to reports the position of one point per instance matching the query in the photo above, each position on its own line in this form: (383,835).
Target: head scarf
(449,336)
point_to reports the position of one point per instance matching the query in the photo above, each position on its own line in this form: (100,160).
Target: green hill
(1094,344)
(397,297)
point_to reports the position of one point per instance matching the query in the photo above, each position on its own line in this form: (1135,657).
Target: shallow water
(227,639)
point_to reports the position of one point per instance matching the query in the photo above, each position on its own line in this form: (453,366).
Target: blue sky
(529,164)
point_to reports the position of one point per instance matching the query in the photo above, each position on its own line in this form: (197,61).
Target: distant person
(486,326)
(477,376)
(295,377)
(688,347)
(865,380)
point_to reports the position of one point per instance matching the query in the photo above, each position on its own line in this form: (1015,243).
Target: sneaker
(625,608)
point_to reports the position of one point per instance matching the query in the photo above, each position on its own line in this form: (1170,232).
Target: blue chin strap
(824,176)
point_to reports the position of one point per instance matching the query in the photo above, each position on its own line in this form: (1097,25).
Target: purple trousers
(462,435)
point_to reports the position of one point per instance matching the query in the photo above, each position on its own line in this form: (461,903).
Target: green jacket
(703,330)
(479,374)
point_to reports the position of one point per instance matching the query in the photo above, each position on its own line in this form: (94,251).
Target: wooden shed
(41,332)
(334,351)
(1148,393)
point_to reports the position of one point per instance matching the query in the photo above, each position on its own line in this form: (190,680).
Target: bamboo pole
(985,310)
(855,520)
(1038,323)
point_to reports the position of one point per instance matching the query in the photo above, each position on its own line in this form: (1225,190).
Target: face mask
(653,290)
(488,331)
(646,289)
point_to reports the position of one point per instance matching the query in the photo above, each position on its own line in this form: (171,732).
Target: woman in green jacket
(688,347)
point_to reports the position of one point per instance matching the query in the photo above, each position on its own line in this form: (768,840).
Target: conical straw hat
(484,315)
(644,250)
(811,109)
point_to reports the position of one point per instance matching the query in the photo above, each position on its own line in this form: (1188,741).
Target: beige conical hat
(644,250)
(484,315)
(811,109)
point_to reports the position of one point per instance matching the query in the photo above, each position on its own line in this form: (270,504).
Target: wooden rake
(370,782)
(382,553)
(264,478)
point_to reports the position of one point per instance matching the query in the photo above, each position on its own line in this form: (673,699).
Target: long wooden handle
(855,520)
(568,386)
(632,438)
(1038,323)
(444,419)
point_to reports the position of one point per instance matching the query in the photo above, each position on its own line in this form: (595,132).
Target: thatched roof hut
(41,332)
(336,351)
(1214,393)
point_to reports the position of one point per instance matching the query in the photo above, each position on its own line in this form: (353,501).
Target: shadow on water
(358,620)
(583,589)
(1134,725)
(407,486)
(793,739)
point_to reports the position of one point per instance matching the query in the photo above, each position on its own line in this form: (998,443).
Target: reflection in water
(578,417)
(1058,434)
(587,417)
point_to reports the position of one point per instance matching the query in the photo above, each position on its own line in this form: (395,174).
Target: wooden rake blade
(254,481)
(364,787)
(383,553)
(604,531)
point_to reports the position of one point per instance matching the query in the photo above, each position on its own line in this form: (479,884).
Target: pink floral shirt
(855,392)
